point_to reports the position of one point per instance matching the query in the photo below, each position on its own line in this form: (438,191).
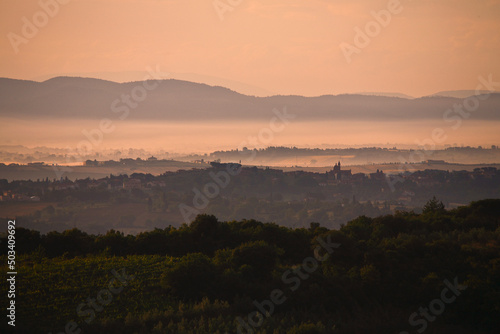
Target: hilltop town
(140,201)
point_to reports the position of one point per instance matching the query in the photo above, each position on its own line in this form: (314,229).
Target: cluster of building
(12,196)
(336,176)
(339,176)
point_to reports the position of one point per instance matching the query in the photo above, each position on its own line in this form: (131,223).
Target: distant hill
(461,94)
(128,76)
(86,98)
(402,96)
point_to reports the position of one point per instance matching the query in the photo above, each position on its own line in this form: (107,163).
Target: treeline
(205,235)
(374,275)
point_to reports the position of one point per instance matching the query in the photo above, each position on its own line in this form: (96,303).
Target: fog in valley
(180,138)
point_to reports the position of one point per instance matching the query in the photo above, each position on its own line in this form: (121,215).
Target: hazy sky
(282,46)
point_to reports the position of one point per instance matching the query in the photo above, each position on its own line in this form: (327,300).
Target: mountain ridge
(173,99)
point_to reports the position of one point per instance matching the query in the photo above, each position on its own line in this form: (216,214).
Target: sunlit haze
(266,47)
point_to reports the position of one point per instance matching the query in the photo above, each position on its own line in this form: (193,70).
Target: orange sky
(280,46)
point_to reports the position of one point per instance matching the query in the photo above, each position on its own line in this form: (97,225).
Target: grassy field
(94,216)
(13,209)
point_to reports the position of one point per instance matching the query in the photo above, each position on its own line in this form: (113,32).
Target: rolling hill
(176,100)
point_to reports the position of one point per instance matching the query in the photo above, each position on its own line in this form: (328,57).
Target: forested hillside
(438,272)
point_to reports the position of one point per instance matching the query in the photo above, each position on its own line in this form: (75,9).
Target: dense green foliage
(200,278)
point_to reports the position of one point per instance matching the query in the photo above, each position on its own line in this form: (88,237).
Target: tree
(433,205)
(259,255)
(192,277)
(204,225)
